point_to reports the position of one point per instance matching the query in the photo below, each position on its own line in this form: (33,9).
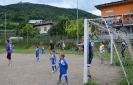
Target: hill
(25,11)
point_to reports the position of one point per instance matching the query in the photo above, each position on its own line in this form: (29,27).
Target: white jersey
(101,48)
(124,43)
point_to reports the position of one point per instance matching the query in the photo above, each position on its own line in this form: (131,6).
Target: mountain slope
(25,11)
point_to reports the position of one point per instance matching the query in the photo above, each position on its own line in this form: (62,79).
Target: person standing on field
(102,50)
(51,46)
(63,45)
(37,53)
(58,47)
(123,47)
(43,50)
(9,52)
(109,47)
(90,55)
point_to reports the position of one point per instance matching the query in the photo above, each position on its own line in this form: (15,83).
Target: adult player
(90,55)
(51,46)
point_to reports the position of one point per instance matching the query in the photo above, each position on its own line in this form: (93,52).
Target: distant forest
(25,11)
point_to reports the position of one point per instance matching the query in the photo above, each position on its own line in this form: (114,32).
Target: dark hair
(53,51)
(63,55)
(37,46)
(8,41)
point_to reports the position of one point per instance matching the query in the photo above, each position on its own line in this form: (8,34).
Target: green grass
(11,23)
(14,23)
(91,83)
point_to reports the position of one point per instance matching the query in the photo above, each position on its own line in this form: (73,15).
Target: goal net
(97,30)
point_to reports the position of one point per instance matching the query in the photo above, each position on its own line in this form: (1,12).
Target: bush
(21,45)
(69,45)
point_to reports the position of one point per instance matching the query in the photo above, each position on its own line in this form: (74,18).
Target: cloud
(96,12)
(62,4)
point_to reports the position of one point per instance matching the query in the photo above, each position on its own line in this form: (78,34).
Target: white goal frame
(86,50)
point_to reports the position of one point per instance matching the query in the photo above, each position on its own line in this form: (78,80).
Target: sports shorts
(9,56)
(89,59)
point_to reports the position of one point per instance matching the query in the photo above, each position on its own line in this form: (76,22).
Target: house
(35,21)
(43,27)
(118,14)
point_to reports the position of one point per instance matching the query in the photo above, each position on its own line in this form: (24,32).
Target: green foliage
(59,27)
(93,28)
(29,31)
(69,45)
(71,27)
(25,11)
(21,45)
(91,83)
(9,25)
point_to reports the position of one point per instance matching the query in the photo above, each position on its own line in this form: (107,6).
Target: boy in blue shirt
(42,50)
(37,53)
(63,69)
(53,61)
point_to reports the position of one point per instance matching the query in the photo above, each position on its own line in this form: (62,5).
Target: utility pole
(27,35)
(77,21)
(5,26)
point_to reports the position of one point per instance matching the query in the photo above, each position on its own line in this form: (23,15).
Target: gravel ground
(27,71)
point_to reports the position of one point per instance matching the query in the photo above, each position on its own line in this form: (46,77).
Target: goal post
(85,79)
(111,49)
(105,26)
(86,49)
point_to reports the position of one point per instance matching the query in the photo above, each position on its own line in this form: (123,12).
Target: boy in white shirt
(102,50)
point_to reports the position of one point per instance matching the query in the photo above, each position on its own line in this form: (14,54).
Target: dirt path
(26,71)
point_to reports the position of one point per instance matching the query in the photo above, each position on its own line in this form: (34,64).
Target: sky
(86,5)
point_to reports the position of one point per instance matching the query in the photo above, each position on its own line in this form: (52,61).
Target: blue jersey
(37,52)
(42,49)
(63,66)
(53,58)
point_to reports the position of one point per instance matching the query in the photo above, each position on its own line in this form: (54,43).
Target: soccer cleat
(10,65)
(52,71)
(65,83)
(58,82)
(55,70)
(89,76)
(105,63)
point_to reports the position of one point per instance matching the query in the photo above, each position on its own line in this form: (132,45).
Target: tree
(59,27)
(94,30)
(20,26)
(71,28)
(28,29)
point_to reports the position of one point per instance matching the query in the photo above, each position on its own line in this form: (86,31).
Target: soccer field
(27,71)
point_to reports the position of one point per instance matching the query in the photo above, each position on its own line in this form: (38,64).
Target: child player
(37,53)
(9,52)
(53,61)
(63,69)
(42,50)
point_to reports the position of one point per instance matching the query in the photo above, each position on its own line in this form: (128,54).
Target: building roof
(34,21)
(113,3)
(43,23)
